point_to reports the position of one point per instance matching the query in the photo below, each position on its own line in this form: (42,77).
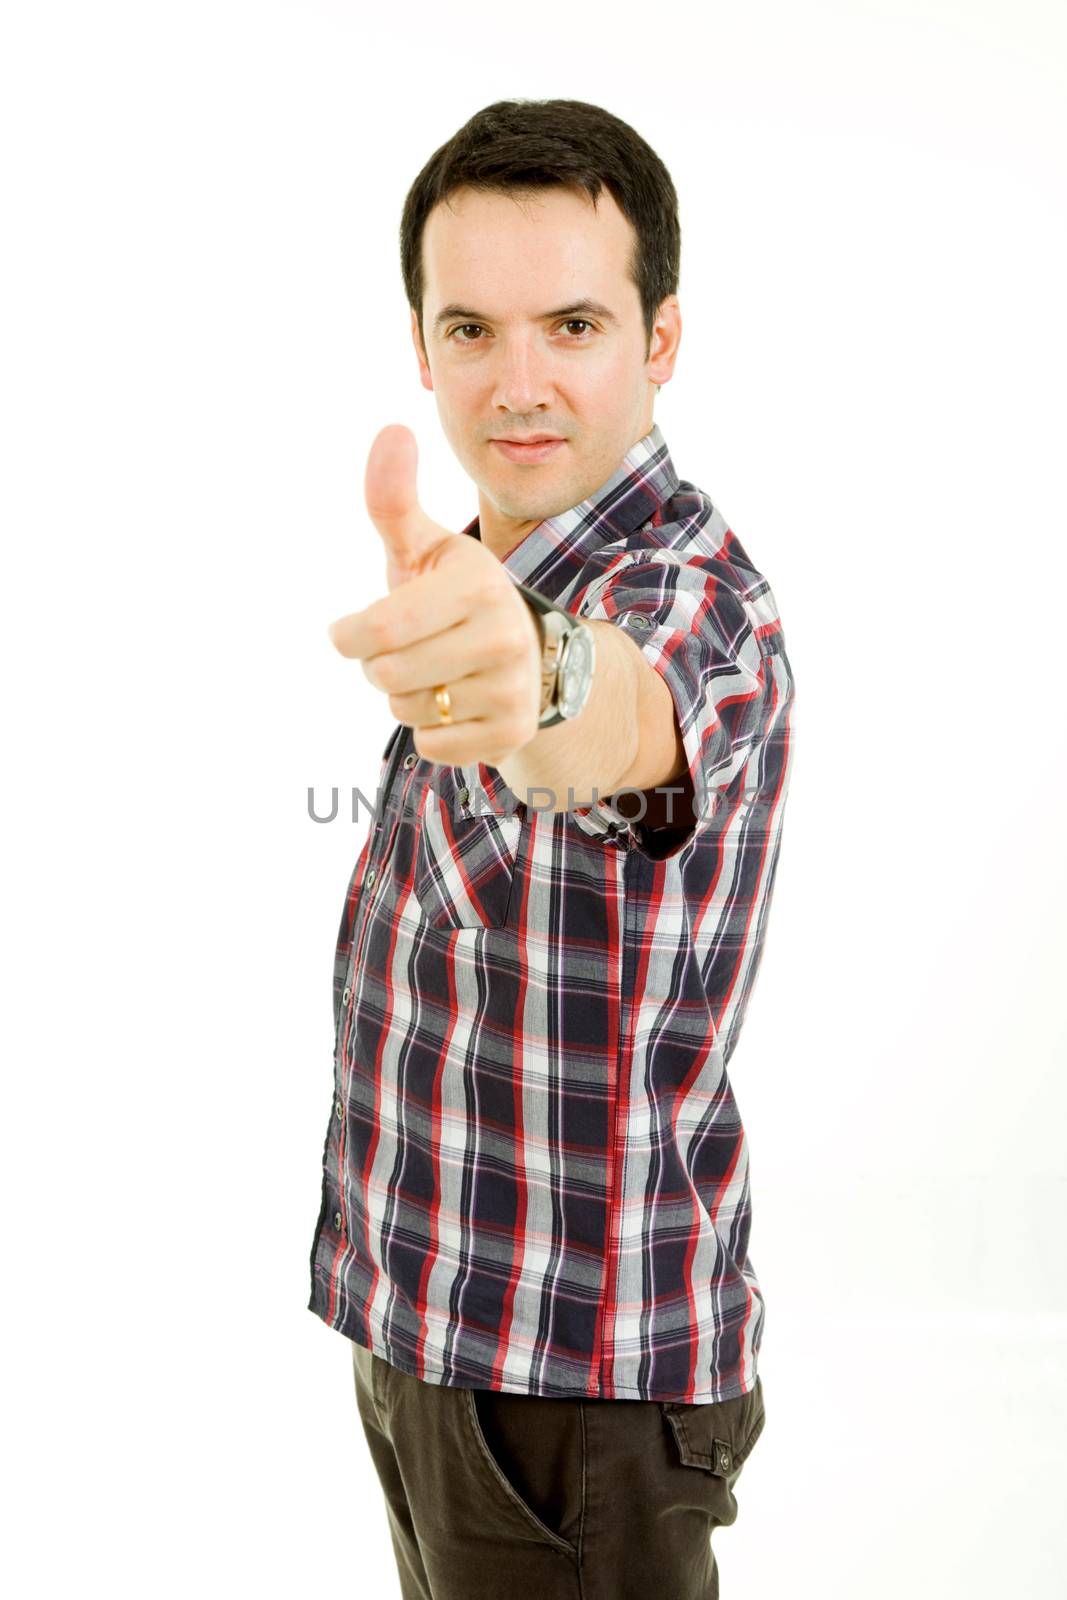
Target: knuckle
(491,588)
(497,635)
(499,692)
(380,628)
(518,642)
(385,672)
(508,691)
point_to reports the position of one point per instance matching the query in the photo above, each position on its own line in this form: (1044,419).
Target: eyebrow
(593,307)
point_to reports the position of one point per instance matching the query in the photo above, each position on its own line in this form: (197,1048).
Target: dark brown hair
(515,146)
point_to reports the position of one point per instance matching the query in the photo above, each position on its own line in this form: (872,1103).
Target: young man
(535,1207)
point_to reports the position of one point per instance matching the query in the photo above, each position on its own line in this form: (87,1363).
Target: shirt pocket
(465,859)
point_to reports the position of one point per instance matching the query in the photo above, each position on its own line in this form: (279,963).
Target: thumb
(408,534)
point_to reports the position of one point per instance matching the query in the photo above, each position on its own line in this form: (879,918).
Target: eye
(462,327)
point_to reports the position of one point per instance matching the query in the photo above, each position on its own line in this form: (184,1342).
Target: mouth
(539,451)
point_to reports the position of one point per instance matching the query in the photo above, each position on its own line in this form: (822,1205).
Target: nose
(523,382)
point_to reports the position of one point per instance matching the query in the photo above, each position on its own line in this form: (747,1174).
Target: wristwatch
(567,658)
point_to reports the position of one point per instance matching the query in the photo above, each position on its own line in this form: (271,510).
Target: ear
(666,337)
(424,366)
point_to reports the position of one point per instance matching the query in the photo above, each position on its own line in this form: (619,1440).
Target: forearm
(607,744)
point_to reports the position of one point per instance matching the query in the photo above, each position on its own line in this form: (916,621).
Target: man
(535,1206)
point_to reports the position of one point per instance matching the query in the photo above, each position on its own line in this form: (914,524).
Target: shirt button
(339,1109)
(338,1220)
(638,619)
(724,1460)
(372,874)
(409,761)
(346,997)
(463,795)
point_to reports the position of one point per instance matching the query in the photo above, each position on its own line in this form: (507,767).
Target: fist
(452,616)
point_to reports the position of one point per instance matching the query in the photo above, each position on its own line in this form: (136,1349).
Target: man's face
(499,365)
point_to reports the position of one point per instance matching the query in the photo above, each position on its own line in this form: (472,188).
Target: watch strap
(554,623)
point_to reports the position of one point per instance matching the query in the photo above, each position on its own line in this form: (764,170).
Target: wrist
(567,658)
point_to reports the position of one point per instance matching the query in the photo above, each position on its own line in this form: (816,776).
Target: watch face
(576,672)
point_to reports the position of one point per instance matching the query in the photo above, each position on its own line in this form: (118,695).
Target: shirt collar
(551,555)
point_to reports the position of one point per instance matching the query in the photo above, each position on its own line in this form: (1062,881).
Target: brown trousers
(494,1496)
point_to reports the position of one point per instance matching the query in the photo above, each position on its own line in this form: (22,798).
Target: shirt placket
(369,889)
(374,876)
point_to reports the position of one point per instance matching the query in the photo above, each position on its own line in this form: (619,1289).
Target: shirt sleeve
(691,626)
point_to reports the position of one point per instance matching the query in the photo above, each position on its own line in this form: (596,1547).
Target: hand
(452,616)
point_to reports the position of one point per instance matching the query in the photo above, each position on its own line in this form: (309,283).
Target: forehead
(541,242)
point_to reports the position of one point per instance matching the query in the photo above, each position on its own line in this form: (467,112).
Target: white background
(203,328)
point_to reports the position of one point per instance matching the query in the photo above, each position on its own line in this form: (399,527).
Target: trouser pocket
(716,1440)
(533,1450)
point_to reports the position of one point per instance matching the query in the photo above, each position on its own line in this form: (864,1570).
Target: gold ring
(444,702)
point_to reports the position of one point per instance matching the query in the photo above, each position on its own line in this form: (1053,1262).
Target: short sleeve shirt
(535,1175)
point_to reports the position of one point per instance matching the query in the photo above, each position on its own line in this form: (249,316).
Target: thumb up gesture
(452,622)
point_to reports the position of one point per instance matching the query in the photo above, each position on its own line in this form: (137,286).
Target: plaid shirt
(535,1176)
